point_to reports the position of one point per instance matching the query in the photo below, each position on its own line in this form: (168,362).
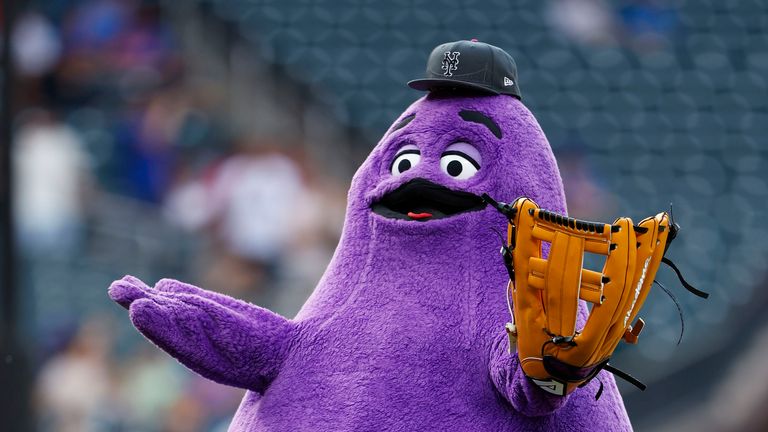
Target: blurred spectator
(648,23)
(254,197)
(115,51)
(82,389)
(52,170)
(93,25)
(640,24)
(146,137)
(588,22)
(36,45)
(147,45)
(203,406)
(90,31)
(75,388)
(150,385)
(185,415)
(250,202)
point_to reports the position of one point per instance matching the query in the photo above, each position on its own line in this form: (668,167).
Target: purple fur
(405,330)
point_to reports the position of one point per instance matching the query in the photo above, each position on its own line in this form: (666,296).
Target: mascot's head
(469,135)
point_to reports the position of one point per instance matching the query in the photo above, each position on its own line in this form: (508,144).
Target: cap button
(473,40)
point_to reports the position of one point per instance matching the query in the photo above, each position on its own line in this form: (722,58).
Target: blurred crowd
(642,25)
(138,390)
(108,121)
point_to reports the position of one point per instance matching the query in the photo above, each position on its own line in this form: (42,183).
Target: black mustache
(426,192)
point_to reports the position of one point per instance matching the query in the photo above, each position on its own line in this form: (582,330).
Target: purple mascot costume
(405,331)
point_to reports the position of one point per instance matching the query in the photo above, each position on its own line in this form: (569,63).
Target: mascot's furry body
(405,330)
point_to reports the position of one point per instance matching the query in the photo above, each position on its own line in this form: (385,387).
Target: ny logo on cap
(450,62)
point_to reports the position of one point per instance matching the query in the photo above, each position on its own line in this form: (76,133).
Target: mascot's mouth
(422,200)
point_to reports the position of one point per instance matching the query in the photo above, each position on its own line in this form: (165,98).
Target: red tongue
(413,215)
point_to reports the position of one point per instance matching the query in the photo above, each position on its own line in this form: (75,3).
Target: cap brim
(428,84)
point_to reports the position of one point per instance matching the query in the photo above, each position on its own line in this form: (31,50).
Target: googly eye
(458,164)
(404,161)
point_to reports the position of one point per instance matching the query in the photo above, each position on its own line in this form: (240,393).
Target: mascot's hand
(226,340)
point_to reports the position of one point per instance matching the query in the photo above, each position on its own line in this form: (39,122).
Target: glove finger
(127,290)
(174,287)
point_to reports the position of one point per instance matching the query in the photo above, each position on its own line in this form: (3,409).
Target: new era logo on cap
(469,65)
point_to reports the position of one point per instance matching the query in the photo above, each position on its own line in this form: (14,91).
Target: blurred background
(213,141)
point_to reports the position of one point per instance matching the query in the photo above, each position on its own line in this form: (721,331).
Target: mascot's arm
(508,377)
(223,339)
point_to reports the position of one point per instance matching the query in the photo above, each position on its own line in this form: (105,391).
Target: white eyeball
(458,165)
(404,161)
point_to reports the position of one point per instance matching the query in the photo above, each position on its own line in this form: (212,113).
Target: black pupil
(454,168)
(404,165)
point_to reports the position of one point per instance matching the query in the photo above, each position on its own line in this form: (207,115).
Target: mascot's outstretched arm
(223,339)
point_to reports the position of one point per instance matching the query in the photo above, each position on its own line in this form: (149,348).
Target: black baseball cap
(470,65)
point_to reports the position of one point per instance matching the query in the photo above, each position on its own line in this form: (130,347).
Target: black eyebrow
(478,117)
(408,151)
(403,122)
